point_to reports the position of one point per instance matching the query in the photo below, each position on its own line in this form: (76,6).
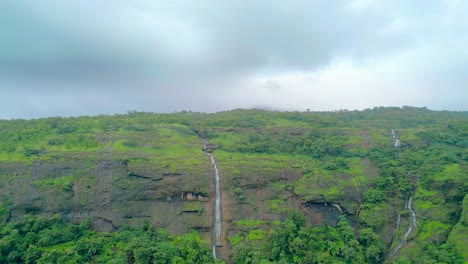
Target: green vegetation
(458,237)
(39,240)
(65,182)
(340,170)
(294,242)
(249,223)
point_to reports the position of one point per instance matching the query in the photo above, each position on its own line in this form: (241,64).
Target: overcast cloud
(92,57)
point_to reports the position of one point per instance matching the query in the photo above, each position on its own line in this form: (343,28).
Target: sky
(87,57)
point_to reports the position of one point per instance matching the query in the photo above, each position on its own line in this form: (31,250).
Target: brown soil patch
(370,170)
(368,141)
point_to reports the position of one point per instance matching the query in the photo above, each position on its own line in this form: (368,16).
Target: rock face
(109,186)
(103,192)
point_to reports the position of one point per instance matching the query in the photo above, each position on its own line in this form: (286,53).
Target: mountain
(379,185)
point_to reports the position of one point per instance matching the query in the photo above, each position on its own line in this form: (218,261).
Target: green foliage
(374,196)
(375,216)
(443,254)
(336,164)
(130,144)
(239,194)
(65,128)
(249,223)
(294,242)
(270,141)
(458,237)
(40,240)
(65,182)
(255,234)
(4,213)
(278,206)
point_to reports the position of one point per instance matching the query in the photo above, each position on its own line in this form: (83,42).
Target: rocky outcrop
(102,190)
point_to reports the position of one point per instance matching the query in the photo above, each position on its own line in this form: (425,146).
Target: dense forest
(382,185)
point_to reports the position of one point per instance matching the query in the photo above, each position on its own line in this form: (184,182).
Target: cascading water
(397,225)
(410,227)
(217,206)
(412,216)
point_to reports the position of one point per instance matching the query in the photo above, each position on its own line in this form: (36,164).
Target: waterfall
(412,216)
(397,225)
(412,219)
(217,207)
(217,216)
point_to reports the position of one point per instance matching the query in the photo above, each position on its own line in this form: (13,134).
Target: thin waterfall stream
(217,206)
(412,215)
(411,226)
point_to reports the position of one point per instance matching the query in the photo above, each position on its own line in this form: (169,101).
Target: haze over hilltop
(93,57)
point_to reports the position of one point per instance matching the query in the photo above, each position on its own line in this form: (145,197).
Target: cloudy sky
(88,57)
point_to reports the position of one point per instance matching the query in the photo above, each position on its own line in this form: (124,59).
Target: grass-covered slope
(117,170)
(458,236)
(333,167)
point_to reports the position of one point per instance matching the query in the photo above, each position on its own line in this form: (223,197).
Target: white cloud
(210,55)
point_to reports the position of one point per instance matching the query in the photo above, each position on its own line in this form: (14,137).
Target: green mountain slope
(458,236)
(340,170)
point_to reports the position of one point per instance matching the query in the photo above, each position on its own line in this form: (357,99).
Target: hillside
(296,187)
